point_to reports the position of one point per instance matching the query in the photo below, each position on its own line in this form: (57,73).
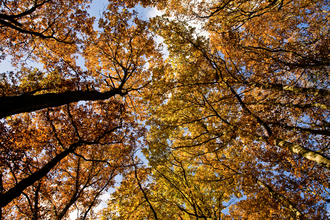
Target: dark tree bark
(17,190)
(11,105)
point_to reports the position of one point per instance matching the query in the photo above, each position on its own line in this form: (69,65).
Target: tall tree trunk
(293,89)
(11,105)
(304,152)
(16,191)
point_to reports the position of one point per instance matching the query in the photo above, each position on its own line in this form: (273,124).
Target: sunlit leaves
(232,98)
(237,115)
(59,158)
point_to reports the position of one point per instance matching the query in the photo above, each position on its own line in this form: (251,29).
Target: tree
(65,149)
(251,97)
(173,189)
(62,154)
(31,89)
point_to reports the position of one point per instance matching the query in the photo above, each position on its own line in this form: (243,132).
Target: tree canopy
(233,123)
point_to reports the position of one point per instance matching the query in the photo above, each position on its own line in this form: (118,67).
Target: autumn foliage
(233,123)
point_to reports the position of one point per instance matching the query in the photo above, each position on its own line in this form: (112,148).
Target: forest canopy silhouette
(233,124)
